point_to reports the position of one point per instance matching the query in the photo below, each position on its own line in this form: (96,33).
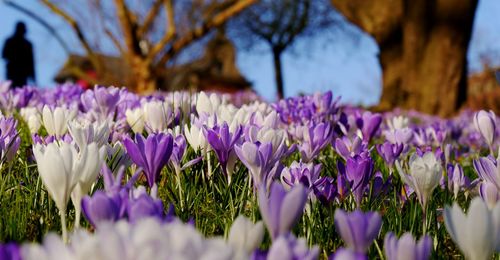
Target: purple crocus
(291,248)
(457,180)
(347,254)
(257,158)
(306,174)
(358,229)
(10,251)
(358,172)
(316,137)
(151,154)
(281,210)
(101,207)
(488,170)
(489,193)
(347,148)
(485,123)
(406,247)
(144,206)
(389,152)
(368,123)
(222,142)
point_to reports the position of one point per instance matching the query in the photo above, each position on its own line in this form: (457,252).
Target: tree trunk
(423,50)
(145,80)
(278,74)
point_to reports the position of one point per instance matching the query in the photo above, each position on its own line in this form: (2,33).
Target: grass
(27,213)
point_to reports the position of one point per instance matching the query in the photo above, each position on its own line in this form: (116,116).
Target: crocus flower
(457,180)
(56,120)
(476,233)
(91,157)
(489,193)
(358,229)
(101,207)
(245,236)
(151,154)
(306,174)
(488,169)
(144,206)
(86,133)
(256,157)
(389,152)
(358,171)
(406,247)
(291,248)
(281,209)
(222,142)
(10,252)
(59,167)
(135,119)
(316,137)
(32,117)
(424,175)
(368,123)
(346,147)
(157,116)
(485,123)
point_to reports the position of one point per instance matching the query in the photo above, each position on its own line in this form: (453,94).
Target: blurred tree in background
(281,23)
(423,47)
(147,34)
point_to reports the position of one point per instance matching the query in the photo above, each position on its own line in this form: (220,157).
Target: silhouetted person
(18,54)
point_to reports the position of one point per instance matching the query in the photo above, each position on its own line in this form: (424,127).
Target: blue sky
(350,69)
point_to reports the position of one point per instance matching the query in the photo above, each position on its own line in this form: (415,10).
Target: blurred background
(435,56)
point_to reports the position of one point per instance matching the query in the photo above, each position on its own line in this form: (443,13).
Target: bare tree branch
(127,25)
(169,35)
(94,59)
(150,17)
(218,20)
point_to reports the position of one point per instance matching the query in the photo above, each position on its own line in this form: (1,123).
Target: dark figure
(18,54)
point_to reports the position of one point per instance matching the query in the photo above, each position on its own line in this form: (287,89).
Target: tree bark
(278,73)
(423,48)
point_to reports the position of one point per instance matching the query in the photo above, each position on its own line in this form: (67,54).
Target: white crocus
(398,122)
(91,157)
(207,104)
(58,166)
(424,175)
(195,137)
(245,236)
(135,119)
(84,133)
(56,120)
(32,117)
(157,115)
(476,233)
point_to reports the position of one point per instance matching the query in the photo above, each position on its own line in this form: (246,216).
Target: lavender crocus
(488,169)
(257,158)
(347,254)
(222,142)
(368,123)
(406,247)
(316,137)
(144,206)
(151,154)
(281,210)
(390,152)
(358,171)
(358,229)
(306,174)
(10,251)
(291,248)
(457,180)
(485,123)
(101,207)
(346,147)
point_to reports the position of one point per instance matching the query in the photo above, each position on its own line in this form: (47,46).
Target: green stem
(62,213)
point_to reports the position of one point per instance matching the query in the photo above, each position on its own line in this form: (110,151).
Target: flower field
(107,174)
